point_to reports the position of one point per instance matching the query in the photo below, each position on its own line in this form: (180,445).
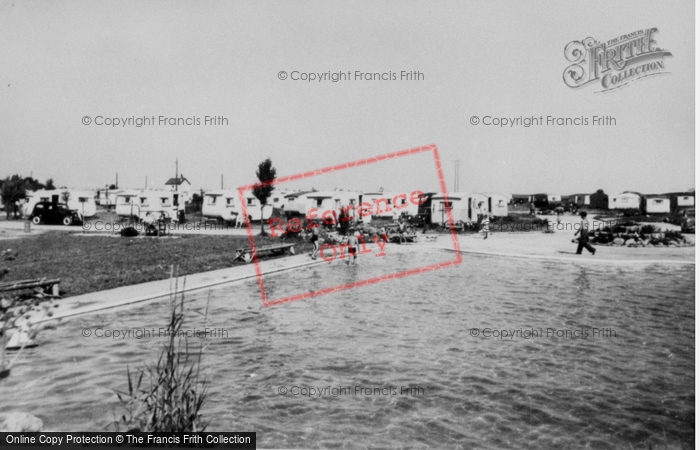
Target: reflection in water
(581,280)
(564,386)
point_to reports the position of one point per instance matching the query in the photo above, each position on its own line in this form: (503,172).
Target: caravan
(464,207)
(221,205)
(81,201)
(626,200)
(107,197)
(276,200)
(657,204)
(332,201)
(138,203)
(391,204)
(315,203)
(297,203)
(497,204)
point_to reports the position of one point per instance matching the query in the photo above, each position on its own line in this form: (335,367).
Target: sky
(63,62)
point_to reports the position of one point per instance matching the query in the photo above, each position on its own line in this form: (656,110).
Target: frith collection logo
(617,62)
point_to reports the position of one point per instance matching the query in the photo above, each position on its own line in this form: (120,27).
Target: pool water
(578,386)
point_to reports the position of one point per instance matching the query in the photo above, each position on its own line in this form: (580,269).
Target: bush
(648,229)
(674,235)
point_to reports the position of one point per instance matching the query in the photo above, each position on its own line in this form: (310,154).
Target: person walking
(583,239)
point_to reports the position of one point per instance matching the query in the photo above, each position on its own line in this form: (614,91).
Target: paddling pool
(618,369)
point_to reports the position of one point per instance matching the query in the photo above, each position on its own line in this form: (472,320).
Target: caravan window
(319,202)
(164,201)
(144,201)
(229,201)
(82,199)
(446,206)
(250,201)
(126,199)
(658,201)
(211,199)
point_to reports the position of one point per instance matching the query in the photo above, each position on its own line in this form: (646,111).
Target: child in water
(352,247)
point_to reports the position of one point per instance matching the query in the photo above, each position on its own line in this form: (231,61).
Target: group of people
(349,237)
(351,241)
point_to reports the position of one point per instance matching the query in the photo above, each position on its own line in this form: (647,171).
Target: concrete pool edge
(574,258)
(124,296)
(130,295)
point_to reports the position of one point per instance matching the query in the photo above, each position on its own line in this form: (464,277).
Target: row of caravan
(225,205)
(128,203)
(628,200)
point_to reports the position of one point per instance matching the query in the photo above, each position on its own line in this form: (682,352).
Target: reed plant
(167,396)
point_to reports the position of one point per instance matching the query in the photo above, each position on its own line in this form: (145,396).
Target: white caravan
(464,207)
(81,201)
(221,205)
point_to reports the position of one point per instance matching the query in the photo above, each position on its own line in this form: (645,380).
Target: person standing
(402,230)
(583,239)
(485,226)
(484,220)
(315,240)
(352,248)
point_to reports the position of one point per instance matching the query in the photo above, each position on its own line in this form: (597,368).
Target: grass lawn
(89,263)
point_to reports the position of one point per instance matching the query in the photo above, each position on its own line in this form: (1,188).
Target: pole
(222,181)
(457,175)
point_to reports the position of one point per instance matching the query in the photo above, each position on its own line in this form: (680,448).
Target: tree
(13,190)
(262,191)
(49,185)
(31,184)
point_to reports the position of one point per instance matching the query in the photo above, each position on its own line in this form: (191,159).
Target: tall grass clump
(173,396)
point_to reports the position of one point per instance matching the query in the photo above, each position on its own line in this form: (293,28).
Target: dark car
(54,213)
